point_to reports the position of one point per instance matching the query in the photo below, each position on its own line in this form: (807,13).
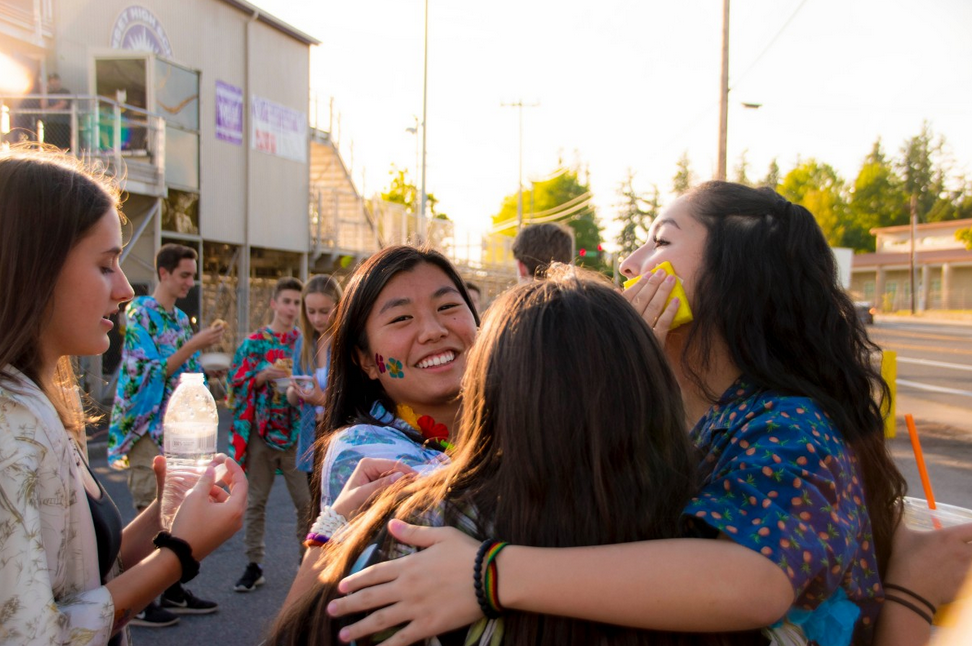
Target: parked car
(865,312)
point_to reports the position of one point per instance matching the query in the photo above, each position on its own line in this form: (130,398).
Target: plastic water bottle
(188,440)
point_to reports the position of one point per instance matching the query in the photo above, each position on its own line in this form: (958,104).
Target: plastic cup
(917,515)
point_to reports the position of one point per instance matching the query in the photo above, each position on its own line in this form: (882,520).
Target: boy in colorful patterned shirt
(159,347)
(263,439)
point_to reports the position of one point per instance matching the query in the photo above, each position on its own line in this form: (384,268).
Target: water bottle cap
(191,377)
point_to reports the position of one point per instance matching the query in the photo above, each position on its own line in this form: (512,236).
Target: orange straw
(922,470)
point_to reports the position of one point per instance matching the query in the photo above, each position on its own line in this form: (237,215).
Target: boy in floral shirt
(263,439)
(159,347)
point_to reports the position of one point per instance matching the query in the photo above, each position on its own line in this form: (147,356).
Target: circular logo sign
(137,29)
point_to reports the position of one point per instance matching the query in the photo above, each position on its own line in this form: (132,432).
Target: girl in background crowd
(401,336)
(777,380)
(312,354)
(71,574)
(539,465)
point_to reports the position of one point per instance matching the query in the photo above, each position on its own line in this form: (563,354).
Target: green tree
(965,237)
(924,175)
(818,188)
(635,214)
(684,177)
(561,198)
(401,190)
(772,178)
(877,199)
(741,169)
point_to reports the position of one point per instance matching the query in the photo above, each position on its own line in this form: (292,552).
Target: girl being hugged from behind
(402,333)
(539,465)
(71,573)
(778,384)
(312,355)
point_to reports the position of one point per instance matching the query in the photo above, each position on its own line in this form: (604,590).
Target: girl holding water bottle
(72,574)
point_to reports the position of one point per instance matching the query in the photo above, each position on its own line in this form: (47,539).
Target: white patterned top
(50,584)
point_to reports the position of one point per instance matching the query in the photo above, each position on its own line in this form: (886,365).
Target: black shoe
(180,601)
(252,577)
(154,617)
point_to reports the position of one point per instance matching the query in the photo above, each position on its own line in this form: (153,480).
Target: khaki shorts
(141,477)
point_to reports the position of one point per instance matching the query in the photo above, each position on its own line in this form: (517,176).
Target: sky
(625,85)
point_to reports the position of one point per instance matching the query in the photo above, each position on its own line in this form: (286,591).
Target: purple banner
(229,113)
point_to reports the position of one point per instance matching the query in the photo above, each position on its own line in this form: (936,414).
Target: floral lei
(432,431)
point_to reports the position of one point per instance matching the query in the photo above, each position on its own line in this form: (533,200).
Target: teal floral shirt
(395,440)
(779,479)
(152,335)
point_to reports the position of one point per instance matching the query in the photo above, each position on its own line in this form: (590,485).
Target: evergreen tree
(635,213)
(684,177)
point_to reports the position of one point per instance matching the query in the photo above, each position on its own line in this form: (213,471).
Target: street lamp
(425,97)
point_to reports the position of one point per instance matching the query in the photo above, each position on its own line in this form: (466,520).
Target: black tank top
(107,526)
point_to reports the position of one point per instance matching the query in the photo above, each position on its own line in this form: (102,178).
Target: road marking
(920,335)
(934,389)
(939,364)
(926,348)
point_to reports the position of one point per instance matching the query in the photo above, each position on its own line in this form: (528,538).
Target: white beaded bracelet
(327,525)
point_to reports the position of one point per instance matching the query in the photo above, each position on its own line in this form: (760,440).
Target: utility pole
(724,93)
(425,97)
(519,194)
(911,256)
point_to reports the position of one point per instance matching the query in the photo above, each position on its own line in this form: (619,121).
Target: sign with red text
(278,130)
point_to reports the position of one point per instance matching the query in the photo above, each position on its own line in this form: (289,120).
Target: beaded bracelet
(327,525)
(478,579)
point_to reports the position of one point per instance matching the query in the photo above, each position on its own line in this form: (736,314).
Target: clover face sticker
(380,362)
(395,368)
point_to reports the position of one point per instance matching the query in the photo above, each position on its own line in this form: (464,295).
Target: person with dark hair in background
(797,483)
(71,574)
(538,245)
(159,346)
(263,438)
(475,295)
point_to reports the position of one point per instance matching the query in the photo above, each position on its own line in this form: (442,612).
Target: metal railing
(128,142)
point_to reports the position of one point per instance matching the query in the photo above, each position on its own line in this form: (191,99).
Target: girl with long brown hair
(71,573)
(312,355)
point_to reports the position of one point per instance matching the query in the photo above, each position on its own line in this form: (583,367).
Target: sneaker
(252,577)
(154,617)
(180,601)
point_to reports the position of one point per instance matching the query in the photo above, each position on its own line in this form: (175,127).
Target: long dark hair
(48,203)
(769,288)
(540,465)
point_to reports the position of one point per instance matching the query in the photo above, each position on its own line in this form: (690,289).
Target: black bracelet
(478,580)
(182,550)
(901,588)
(910,606)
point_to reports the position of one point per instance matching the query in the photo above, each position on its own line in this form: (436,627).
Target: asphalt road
(935,386)
(242,617)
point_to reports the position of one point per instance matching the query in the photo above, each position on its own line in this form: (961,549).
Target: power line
(770,45)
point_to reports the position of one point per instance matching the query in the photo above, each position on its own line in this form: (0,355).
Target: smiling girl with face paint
(400,338)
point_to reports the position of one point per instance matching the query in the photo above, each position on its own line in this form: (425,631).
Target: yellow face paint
(684,313)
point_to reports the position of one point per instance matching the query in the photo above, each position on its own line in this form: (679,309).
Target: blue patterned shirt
(152,335)
(779,479)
